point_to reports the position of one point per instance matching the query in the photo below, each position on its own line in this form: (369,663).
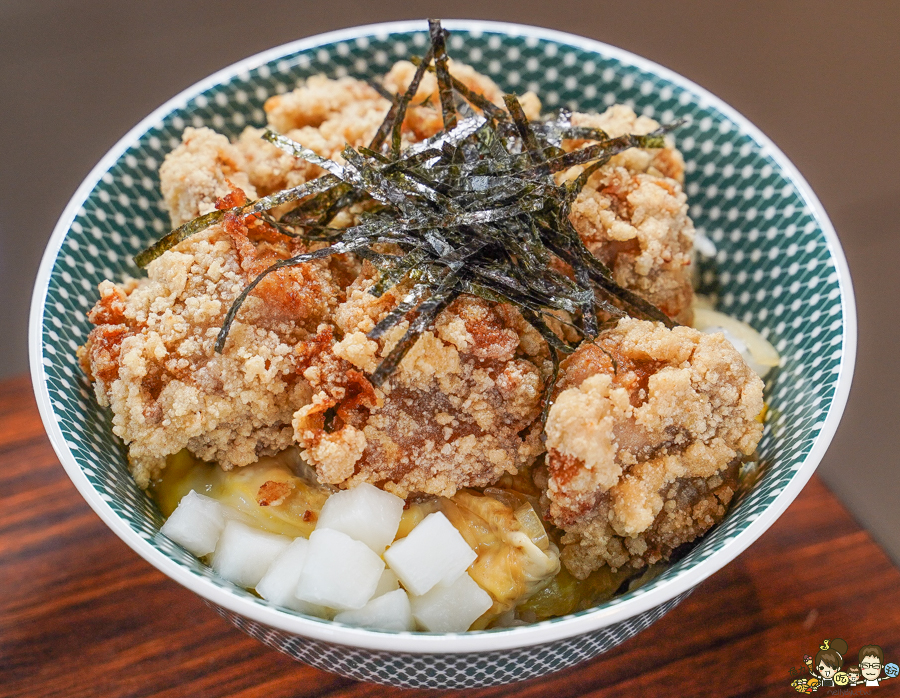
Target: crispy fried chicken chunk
(633,215)
(425,119)
(642,441)
(151,355)
(325,115)
(458,412)
(322,114)
(201,170)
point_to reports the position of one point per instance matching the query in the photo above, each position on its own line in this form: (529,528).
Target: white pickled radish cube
(280,581)
(390,611)
(365,513)
(196,523)
(340,572)
(386,584)
(244,553)
(453,608)
(433,552)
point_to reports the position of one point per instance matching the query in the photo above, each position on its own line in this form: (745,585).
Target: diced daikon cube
(365,513)
(196,523)
(280,581)
(387,583)
(453,608)
(340,572)
(390,611)
(433,552)
(244,553)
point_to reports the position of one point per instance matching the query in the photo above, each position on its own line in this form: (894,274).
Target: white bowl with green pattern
(779,267)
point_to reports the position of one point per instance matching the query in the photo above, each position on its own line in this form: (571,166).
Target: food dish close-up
(490,346)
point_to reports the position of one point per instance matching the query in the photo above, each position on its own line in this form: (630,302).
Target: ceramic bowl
(778,266)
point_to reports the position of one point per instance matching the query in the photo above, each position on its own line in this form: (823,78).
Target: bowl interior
(776,266)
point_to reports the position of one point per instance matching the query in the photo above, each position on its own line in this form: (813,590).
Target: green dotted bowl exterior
(779,267)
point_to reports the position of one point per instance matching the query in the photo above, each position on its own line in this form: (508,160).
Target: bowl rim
(448,643)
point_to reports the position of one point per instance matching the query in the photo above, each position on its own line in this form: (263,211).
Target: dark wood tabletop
(82,615)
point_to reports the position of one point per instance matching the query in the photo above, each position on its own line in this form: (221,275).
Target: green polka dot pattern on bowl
(774,269)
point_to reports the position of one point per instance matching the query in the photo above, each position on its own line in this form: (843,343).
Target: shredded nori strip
(445,88)
(267,203)
(524,129)
(400,113)
(476,100)
(474,209)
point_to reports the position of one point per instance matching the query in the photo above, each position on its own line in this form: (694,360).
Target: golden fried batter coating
(691,506)
(632,214)
(458,412)
(635,413)
(322,114)
(204,168)
(151,353)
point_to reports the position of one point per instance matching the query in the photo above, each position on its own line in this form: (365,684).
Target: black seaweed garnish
(474,209)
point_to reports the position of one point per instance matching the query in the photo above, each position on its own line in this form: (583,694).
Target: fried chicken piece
(458,412)
(643,439)
(424,119)
(633,215)
(325,115)
(151,355)
(204,168)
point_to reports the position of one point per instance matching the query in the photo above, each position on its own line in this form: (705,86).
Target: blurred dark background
(820,77)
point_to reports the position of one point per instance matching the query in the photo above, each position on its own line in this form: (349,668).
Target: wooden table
(82,615)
